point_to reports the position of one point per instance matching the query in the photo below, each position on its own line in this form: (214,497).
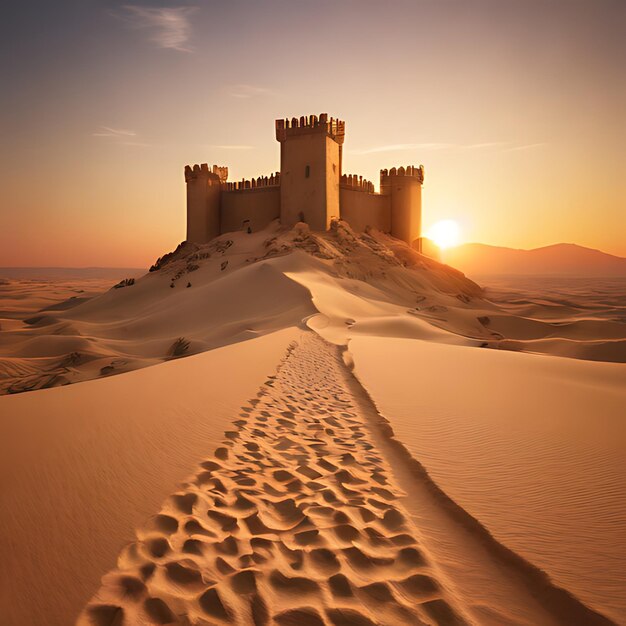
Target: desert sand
(530,445)
(83,465)
(358,435)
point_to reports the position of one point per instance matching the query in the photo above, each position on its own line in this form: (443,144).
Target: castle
(310,187)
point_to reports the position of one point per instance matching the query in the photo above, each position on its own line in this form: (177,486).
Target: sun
(445,234)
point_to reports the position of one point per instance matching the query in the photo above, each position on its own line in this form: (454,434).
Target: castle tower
(203,201)
(310,169)
(404,185)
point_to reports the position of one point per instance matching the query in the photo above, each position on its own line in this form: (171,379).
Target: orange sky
(515,110)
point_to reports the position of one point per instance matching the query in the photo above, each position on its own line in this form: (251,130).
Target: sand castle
(310,187)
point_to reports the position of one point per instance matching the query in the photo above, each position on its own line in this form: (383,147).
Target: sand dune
(83,466)
(530,445)
(561,298)
(240,286)
(230,290)
(295,519)
(301,513)
(24,298)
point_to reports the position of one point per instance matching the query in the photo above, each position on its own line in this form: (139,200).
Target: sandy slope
(307,513)
(295,520)
(82,466)
(349,290)
(537,445)
(24,298)
(241,286)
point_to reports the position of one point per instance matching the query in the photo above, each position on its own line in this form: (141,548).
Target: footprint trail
(295,520)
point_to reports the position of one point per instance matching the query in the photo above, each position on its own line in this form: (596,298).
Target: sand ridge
(295,519)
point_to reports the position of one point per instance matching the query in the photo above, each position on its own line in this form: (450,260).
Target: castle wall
(362,208)
(203,204)
(310,187)
(313,198)
(404,187)
(406,209)
(333,172)
(310,162)
(260,205)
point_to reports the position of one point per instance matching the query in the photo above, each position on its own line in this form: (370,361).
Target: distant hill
(67,273)
(561,259)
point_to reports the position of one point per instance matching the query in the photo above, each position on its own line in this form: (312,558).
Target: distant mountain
(561,259)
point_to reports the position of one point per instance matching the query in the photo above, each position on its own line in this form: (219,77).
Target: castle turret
(203,201)
(310,169)
(404,186)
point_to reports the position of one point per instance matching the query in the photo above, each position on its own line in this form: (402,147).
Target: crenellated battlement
(352,181)
(311,124)
(218,172)
(254,183)
(409,170)
(222,172)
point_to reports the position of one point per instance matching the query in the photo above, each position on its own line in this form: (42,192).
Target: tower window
(307,171)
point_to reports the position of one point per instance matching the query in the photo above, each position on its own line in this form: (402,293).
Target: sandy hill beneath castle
(241,286)
(235,288)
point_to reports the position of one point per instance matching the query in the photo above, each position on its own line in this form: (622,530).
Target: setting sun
(444,233)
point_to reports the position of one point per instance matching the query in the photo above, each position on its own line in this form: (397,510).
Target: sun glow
(445,234)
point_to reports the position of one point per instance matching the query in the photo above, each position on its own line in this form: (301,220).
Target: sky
(515,109)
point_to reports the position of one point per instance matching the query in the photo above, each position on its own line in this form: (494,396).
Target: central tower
(310,169)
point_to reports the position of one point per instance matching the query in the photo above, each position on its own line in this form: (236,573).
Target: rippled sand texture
(294,520)
(581,318)
(532,446)
(23,301)
(557,298)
